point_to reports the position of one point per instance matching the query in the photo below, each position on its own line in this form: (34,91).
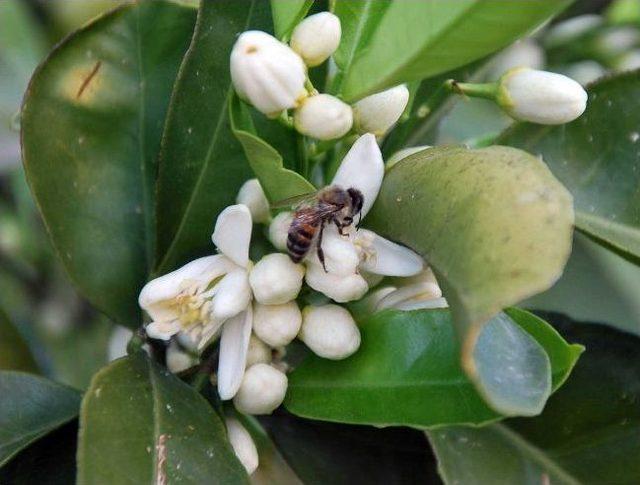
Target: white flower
(346,255)
(262,390)
(267,73)
(524,53)
(277,325)
(278,230)
(259,352)
(378,113)
(329,331)
(242,444)
(541,97)
(316,37)
(179,360)
(418,292)
(324,117)
(207,295)
(572,29)
(275,279)
(252,195)
(404,153)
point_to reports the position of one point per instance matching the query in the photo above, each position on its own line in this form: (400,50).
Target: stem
(136,342)
(285,120)
(310,88)
(480,90)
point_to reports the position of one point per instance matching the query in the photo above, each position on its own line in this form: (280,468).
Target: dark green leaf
(141,424)
(31,407)
(287,14)
(91,124)
(279,183)
(388,43)
(201,163)
(588,433)
(493,223)
(50,460)
(322,453)
(407,372)
(14,352)
(596,157)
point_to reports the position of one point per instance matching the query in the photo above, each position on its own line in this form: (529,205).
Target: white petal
(234,345)
(419,292)
(252,195)
(179,360)
(388,258)
(155,298)
(232,234)
(232,295)
(422,304)
(118,342)
(362,168)
(163,330)
(339,288)
(242,444)
(340,255)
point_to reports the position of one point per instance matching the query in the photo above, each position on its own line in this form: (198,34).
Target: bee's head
(357,200)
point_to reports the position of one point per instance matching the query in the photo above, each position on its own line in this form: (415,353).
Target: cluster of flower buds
(272,76)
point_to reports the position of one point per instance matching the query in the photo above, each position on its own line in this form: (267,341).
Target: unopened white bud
(329,331)
(267,73)
(275,279)
(340,288)
(279,230)
(242,444)
(262,390)
(179,360)
(118,342)
(617,40)
(629,61)
(277,325)
(258,352)
(541,97)
(324,117)
(525,53)
(584,72)
(252,195)
(572,29)
(378,113)
(404,153)
(316,37)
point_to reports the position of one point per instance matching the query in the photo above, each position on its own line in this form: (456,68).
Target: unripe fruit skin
(329,331)
(541,97)
(262,390)
(267,73)
(316,38)
(323,117)
(379,112)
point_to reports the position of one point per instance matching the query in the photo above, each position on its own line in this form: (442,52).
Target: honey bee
(313,212)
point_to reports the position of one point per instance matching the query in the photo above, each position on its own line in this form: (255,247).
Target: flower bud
(584,72)
(252,195)
(570,30)
(242,444)
(340,288)
(377,113)
(275,279)
(258,352)
(629,61)
(277,325)
(267,73)
(525,53)
(329,331)
(279,230)
(179,360)
(118,342)
(316,37)
(540,96)
(262,390)
(324,117)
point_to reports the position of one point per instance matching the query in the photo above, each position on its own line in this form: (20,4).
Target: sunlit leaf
(287,14)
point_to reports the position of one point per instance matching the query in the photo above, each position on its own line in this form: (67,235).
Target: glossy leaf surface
(493,223)
(598,158)
(14,351)
(201,163)
(407,372)
(91,125)
(287,14)
(31,407)
(141,424)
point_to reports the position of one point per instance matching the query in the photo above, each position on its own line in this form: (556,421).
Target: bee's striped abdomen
(300,238)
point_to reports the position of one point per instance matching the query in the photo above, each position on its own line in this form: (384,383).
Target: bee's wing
(294,201)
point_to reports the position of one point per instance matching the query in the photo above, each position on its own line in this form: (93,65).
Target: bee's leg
(319,248)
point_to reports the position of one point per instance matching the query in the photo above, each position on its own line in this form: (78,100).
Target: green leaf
(388,43)
(141,424)
(596,157)
(493,223)
(287,14)
(407,372)
(494,454)
(91,125)
(201,163)
(49,460)
(588,433)
(14,352)
(323,453)
(30,408)
(279,183)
